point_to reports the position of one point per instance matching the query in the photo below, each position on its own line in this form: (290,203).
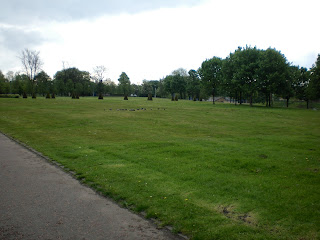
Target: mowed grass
(209,171)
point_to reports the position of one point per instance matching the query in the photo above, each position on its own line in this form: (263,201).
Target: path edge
(154,222)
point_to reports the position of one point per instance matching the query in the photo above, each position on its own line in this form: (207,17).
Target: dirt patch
(263,156)
(229,212)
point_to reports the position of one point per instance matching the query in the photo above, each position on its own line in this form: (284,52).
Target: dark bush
(150,97)
(53,95)
(34,96)
(25,95)
(194,99)
(100,96)
(176,98)
(48,95)
(125,97)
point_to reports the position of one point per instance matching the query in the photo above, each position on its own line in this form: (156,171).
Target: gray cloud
(16,38)
(31,11)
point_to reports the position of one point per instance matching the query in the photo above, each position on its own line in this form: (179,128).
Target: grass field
(210,172)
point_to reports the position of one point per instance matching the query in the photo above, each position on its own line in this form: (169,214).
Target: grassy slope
(211,172)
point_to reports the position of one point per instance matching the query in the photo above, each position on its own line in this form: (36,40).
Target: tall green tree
(67,81)
(193,84)
(43,82)
(161,90)
(246,61)
(146,88)
(155,85)
(273,72)
(21,84)
(301,86)
(124,84)
(211,74)
(229,83)
(287,87)
(4,84)
(179,81)
(169,85)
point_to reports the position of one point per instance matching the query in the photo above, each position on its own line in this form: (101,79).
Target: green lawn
(209,171)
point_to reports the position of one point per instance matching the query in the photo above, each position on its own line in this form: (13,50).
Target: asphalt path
(40,201)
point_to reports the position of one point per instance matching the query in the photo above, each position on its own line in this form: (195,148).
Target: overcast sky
(148,39)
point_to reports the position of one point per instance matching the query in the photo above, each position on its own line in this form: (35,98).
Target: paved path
(40,201)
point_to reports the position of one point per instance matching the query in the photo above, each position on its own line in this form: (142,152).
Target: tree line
(248,74)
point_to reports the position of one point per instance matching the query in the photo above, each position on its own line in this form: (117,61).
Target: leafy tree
(178,82)
(68,81)
(20,84)
(100,88)
(314,85)
(180,71)
(146,88)
(241,73)
(229,83)
(43,83)
(287,87)
(193,84)
(124,83)
(70,87)
(247,65)
(155,85)
(273,72)
(4,84)
(301,85)
(136,90)
(161,91)
(211,74)
(170,85)
(110,87)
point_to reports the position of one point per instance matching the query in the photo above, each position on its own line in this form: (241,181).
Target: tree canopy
(248,73)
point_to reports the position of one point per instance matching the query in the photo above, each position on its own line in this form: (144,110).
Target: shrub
(176,98)
(9,96)
(34,96)
(150,97)
(194,99)
(48,95)
(53,95)
(73,96)
(125,97)
(25,95)
(100,96)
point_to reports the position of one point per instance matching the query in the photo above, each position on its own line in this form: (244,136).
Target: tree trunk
(240,98)
(270,99)
(213,96)
(287,102)
(236,98)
